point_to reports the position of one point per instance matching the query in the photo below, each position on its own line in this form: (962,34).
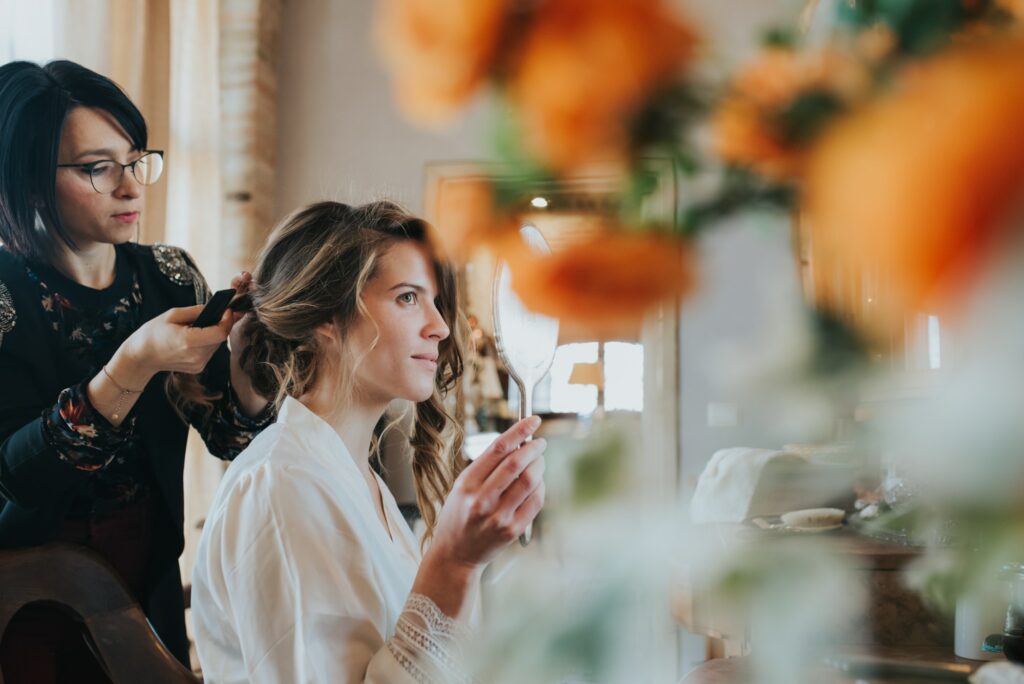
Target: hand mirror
(526,341)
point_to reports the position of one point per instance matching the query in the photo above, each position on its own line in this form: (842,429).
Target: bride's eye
(407,298)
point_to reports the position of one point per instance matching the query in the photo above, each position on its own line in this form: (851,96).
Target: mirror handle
(525,409)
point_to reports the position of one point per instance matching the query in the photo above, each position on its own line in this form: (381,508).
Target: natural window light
(623,379)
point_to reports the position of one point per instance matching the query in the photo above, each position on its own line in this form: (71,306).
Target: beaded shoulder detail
(178,267)
(174,263)
(8,316)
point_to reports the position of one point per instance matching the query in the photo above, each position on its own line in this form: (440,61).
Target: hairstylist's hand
(239,339)
(494,499)
(167,343)
(250,401)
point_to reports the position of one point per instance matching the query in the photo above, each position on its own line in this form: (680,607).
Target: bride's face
(396,340)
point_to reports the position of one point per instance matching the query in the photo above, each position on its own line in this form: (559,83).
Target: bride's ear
(328,333)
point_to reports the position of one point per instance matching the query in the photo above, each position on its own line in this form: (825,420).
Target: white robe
(296,579)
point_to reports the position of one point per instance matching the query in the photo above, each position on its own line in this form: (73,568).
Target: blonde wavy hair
(313,270)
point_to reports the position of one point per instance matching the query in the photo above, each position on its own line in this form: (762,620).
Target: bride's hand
(493,500)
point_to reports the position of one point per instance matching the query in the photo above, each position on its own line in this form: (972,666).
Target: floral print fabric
(82,437)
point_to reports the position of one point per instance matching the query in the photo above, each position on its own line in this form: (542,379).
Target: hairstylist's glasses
(106,174)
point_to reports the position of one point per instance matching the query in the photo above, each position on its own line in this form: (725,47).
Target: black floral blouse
(90,326)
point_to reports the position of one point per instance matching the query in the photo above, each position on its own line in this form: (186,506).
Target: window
(623,364)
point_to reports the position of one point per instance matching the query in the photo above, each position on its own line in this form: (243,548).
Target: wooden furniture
(893,615)
(894,622)
(82,582)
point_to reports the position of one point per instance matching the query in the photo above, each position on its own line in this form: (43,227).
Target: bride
(306,571)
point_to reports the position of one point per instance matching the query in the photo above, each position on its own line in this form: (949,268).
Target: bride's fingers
(510,440)
(524,485)
(529,509)
(241,282)
(514,465)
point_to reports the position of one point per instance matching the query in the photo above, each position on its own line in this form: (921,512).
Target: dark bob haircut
(34,103)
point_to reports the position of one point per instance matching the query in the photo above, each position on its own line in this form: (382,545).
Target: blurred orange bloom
(586,68)
(466,217)
(742,137)
(439,51)
(1014,7)
(745,127)
(604,285)
(921,185)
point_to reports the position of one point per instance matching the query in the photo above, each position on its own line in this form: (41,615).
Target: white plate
(812,530)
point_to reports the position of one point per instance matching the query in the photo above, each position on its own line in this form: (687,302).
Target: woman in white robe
(306,570)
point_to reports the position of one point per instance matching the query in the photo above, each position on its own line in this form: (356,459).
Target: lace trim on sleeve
(428,644)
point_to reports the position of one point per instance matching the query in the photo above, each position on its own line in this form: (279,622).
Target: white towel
(741,482)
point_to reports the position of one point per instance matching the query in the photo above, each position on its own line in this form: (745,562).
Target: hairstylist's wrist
(129,368)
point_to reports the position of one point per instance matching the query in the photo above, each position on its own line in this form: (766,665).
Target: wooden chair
(81,582)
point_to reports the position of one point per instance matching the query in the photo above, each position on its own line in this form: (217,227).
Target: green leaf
(838,348)
(521,174)
(667,119)
(805,117)
(739,190)
(780,37)
(599,471)
(921,26)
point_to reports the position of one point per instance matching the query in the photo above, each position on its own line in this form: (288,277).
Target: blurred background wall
(339,136)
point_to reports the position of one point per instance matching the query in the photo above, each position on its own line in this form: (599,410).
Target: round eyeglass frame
(132,165)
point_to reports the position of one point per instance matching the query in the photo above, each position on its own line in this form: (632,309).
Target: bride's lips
(429,360)
(127,217)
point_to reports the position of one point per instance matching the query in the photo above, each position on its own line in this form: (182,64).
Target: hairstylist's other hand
(167,343)
(239,339)
(494,499)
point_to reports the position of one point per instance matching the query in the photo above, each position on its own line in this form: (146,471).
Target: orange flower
(745,127)
(919,186)
(586,68)
(605,285)
(742,137)
(439,51)
(466,217)
(1014,7)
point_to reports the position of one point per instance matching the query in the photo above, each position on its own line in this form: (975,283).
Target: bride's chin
(421,395)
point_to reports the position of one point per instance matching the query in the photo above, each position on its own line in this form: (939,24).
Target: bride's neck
(353,420)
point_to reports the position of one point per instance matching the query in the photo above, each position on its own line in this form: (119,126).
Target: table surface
(861,550)
(734,670)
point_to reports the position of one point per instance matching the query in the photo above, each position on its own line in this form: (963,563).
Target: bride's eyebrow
(411,286)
